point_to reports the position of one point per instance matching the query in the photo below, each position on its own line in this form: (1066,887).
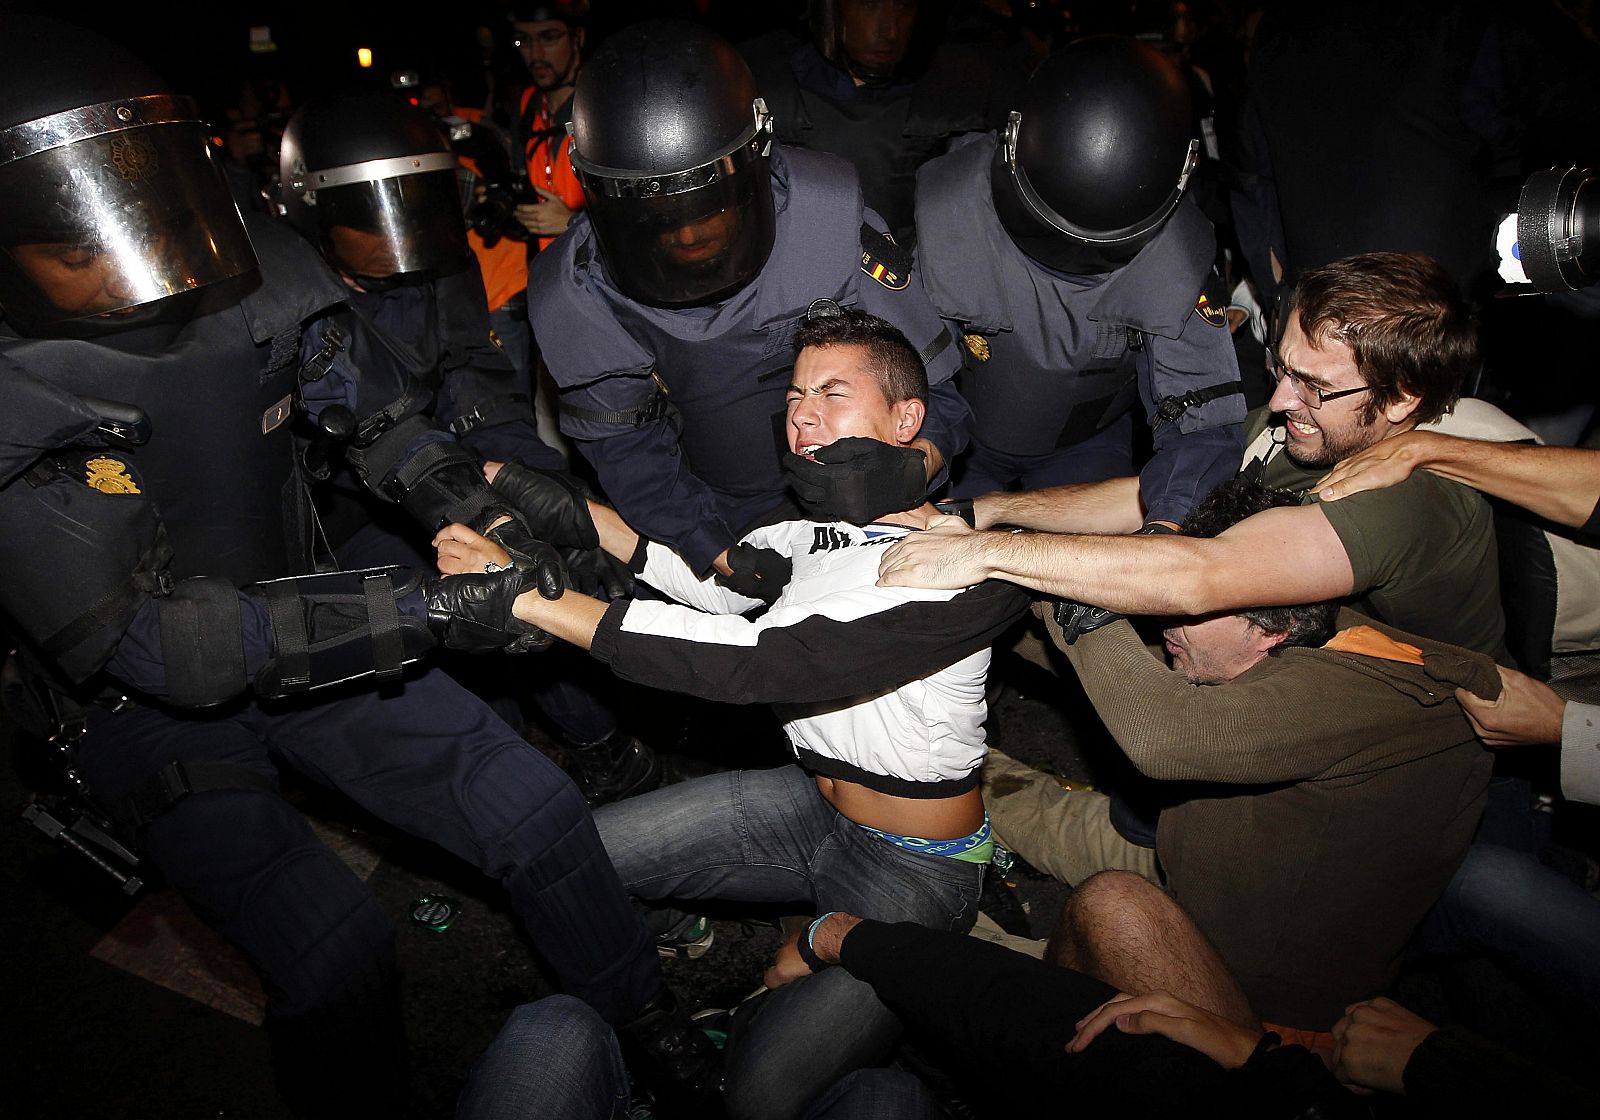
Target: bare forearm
(1111,506)
(1137,575)
(615,536)
(1561,483)
(572,618)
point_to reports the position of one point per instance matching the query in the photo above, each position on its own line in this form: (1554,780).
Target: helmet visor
(691,248)
(382,228)
(94,228)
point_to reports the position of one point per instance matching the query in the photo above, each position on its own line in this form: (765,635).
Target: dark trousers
(430,759)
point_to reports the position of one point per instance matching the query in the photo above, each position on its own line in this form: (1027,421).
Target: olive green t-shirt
(1423,551)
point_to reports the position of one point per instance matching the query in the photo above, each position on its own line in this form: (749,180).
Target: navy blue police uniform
(124,574)
(1057,362)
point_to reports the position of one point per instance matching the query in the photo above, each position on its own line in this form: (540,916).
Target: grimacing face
(1321,437)
(832,397)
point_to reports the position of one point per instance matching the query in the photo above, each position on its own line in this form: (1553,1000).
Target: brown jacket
(1342,791)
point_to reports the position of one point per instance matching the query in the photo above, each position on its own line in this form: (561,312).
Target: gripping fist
(857,479)
(756,573)
(554,504)
(473,612)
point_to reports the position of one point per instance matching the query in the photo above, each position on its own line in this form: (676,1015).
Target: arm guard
(332,628)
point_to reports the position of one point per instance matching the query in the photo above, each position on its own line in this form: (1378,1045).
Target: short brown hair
(1403,319)
(892,361)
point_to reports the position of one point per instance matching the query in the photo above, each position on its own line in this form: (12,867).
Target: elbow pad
(441,483)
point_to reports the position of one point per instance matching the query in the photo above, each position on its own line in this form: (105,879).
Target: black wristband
(958,507)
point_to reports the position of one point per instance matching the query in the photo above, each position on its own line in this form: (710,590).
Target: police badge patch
(1212,306)
(109,476)
(977,346)
(883,260)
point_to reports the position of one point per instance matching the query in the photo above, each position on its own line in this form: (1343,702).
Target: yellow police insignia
(133,157)
(977,346)
(109,476)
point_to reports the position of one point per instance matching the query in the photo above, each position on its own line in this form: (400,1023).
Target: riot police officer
(875,86)
(665,313)
(371,181)
(1068,255)
(155,541)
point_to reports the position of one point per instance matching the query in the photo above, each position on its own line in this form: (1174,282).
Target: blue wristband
(808,950)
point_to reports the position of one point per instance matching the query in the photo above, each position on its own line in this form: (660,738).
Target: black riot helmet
(371,181)
(113,211)
(1097,157)
(671,145)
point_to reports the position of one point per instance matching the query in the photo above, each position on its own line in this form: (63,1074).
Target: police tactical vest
(1050,354)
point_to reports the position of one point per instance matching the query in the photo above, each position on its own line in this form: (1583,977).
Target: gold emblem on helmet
(977,346)
(132,156)
(109,476)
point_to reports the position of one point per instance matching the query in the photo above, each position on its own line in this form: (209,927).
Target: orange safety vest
(549,163)
(504,264)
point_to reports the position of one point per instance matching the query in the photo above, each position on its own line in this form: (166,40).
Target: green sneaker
(689,941)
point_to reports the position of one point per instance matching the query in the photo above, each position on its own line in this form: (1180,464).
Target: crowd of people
(348,431)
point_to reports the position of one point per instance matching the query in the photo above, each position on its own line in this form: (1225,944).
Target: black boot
(617,766)
(671,1058)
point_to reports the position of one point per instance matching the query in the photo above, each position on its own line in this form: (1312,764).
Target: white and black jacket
(878,685)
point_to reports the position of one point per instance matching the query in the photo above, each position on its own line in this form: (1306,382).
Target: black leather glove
(553,503)
(1078,619)
(756,573)
(858,479)
(533,556)
(597,574)
(473,612)
(958,507)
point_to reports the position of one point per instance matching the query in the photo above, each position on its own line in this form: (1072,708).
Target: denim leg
(876,1094)
(554,1058)
(1539,924)
(789,1046)
(739,836)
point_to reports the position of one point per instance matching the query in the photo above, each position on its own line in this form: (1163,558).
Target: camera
(484,151)
(1553,240)
(493,215)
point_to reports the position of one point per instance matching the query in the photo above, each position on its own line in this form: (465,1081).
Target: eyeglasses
(1309,395)
(549,37)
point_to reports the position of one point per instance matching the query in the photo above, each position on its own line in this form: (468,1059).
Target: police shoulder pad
(1212,306)
(883,260)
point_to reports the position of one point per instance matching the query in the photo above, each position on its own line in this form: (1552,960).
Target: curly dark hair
(891,359)
(1310,624)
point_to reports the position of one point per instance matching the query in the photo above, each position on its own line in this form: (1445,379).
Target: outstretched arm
(1561,483)
(1279,557)
(1111,506)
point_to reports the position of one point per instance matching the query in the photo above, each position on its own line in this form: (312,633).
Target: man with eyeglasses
(1374,345)
(549,37)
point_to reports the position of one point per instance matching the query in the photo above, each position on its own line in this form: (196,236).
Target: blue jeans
(554,1058)
(877,1094)
(769,836)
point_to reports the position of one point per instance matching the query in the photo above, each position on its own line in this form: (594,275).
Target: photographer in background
(549,36)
